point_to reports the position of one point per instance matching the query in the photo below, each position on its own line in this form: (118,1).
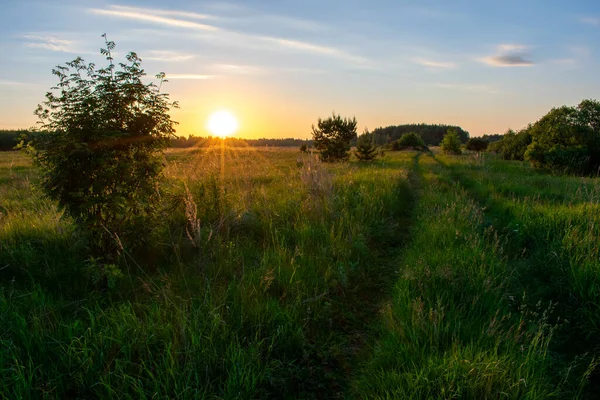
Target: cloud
(158,11)
(594,21)
(580,51)
(468,87)
(232,69)
(564,61)
(508,60)
(509,55)
(512,47)
(156,16)
(49,43)
(190,76)
(168,56)
(434,64)
(315,48)
(149,15)
(11,83)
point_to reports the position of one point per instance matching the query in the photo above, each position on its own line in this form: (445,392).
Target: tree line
(208,141)
(432,134)
(9,138)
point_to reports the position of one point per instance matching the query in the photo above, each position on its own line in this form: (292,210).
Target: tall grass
(239,296)
(449,330)
(282,277)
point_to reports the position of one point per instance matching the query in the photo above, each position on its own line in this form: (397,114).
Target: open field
(415,276)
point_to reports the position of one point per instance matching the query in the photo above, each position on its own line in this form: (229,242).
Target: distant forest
(8,138)
(198,141)
(432,135)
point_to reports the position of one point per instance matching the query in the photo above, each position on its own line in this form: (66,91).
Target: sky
(279,65)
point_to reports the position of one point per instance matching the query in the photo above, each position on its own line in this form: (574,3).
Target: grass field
(416,276)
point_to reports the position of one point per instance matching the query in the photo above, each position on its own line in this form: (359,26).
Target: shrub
(304,148)
(513,145)
(409,140)
(103,130)
(567,139)
(332,137)
(477,144)
(451,143)
(365,148)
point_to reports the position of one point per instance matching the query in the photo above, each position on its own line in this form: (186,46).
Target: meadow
(273,275)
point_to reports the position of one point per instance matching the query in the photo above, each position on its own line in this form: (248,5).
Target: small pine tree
(451,143)
(365,147)
(332,137)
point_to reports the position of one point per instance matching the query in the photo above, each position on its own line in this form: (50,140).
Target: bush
(304,148)
(567,139)
(365,148)
(477,144)
(100,152)
(451,143)
(513,145)
(332,137)
(409,140)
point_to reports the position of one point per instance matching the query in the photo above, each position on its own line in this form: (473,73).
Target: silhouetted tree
(332,137)
(477,144)
(409,141)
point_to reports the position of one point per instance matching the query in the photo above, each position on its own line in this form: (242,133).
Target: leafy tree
(513,145)
(451,143)
(409,140)
(365,148)
(567,139)
(477,144)
(103,130)
(332,137)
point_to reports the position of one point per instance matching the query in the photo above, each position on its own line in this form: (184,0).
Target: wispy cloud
(512,47)
(468,87)
(564,61)
(168,56)
(509,55)
(580,51)
(190,76)
(434,64)
(49,43)
(233,69)
(158,11)
(164,18)
(315,48)
(594,21)
(147,15)
(11,83)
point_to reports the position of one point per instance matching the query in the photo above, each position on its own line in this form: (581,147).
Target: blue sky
(279,65)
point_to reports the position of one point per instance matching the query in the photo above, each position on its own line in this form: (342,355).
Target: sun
(222,123)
